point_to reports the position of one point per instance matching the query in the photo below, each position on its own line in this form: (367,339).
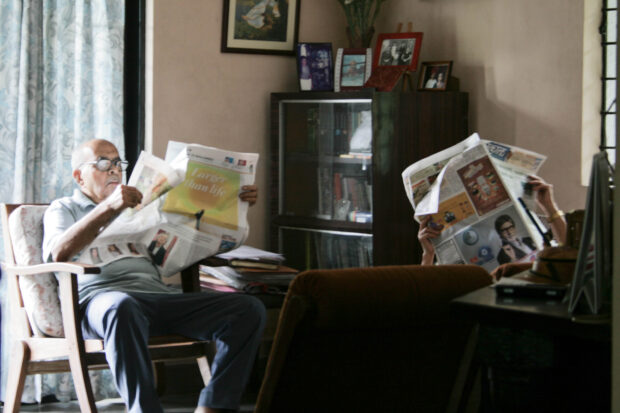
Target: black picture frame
(315,66)
(260,26)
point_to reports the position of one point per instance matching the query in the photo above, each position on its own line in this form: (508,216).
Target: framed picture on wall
(260,26)
(352,68)
(315,66)
(434,75)
(398,49)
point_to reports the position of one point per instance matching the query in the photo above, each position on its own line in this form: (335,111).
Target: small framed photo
(315,66)
(434,75)
(398,49)
(352,69)
(260,26)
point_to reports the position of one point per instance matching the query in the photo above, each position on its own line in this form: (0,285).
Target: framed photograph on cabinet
(315,66)
(352,69)
(434,75)
(260,26)
(398,49)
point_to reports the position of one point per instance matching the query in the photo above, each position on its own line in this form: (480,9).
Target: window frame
(608,33)
(134,80)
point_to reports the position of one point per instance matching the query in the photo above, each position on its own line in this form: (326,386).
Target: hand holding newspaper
(471,190)
(190,209)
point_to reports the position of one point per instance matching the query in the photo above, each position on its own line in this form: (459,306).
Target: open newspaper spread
(471,191)
(190,208)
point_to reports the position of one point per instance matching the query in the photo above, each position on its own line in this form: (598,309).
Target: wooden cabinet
(337,197)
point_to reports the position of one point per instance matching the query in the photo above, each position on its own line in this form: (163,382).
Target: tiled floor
(183,384)
(172,404)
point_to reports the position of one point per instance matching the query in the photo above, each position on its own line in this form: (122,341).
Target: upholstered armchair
(377,339)
(45,332)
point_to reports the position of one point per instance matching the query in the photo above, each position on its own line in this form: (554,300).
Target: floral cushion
(39,292)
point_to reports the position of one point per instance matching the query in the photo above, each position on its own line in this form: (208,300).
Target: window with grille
(609,34)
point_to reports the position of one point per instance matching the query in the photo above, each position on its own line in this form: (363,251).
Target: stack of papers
(245,269)
(247,252)
(247,257)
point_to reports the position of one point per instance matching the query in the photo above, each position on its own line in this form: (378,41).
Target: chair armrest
(71,267)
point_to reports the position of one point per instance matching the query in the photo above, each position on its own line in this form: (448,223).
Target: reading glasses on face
(104,164)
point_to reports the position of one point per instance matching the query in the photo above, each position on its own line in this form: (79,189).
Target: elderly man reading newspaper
(128,302)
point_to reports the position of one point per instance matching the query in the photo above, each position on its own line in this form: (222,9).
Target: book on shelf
(312,129)
(342,252)
(356,155)
(325,192)
(352,198)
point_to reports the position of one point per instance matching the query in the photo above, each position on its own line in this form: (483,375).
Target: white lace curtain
(61,83)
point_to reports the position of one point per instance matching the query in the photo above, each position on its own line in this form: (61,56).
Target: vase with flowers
(361,16)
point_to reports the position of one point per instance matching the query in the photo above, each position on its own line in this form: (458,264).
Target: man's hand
(249,194)
(543,194)
(123,197)
(546,202)
(84,231)
(428,230)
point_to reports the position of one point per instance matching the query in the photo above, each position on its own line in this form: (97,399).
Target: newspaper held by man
(190,209)
(470,190)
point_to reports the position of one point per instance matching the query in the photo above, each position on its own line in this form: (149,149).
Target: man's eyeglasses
(508,228)
(104,164)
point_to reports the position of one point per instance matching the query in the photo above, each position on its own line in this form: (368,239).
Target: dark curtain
(135,23)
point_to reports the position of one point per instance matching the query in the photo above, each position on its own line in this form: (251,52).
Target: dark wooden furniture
(320,176)
(568,358)
(376,339)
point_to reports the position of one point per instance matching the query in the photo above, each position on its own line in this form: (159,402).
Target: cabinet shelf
(312,223)
(337,158)
(348,159)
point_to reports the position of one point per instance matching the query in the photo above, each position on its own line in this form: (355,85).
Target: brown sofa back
(369,339)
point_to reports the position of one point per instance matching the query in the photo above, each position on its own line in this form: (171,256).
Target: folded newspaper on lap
(190,209)
(471,191)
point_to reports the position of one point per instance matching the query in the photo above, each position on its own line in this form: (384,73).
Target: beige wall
(520,61)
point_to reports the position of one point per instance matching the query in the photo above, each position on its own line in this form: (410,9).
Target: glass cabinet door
(305,249)
(325,159)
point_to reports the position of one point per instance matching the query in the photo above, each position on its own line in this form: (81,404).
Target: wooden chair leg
(159,369)
(73,334)
(17,377)
(81,382)
(205,369)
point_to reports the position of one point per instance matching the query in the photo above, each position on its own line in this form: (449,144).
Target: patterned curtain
(61,83)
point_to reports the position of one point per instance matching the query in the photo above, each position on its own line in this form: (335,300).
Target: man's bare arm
(84,231)
(546,201)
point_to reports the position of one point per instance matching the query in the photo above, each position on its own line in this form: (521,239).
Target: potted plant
(361,16)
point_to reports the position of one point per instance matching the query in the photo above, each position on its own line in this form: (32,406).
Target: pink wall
(520,61)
